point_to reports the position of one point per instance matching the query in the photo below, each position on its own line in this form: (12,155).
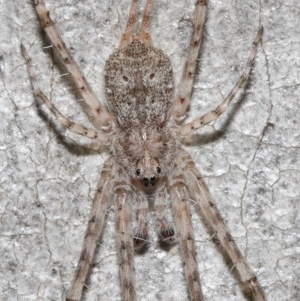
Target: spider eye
(138,172)
(158,169)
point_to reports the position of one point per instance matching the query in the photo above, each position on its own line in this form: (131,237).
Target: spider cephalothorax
(146,153)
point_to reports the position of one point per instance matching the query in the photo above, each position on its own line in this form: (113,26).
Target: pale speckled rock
(251,163)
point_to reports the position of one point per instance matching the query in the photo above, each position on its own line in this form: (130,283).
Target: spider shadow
(204,139)
(75,148)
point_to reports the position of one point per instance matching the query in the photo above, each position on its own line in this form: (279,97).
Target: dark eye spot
(125,78)
(158,169)
(152,75)
(138,172)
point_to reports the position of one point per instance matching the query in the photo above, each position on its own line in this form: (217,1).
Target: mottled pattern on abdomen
(138,84)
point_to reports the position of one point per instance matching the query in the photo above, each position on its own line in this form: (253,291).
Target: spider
(141,125)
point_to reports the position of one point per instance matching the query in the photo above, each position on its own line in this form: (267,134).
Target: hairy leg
(129,30)
(95,226)
(165,227)
(185,87)
(100,116)
(200,192)
(188,128)
(64,121)
(141,229)
(185,234)
(144,30)
(124,239)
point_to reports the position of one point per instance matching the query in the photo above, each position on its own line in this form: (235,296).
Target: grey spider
(142,126)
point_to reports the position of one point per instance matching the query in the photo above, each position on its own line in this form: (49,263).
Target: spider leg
(144,30)
(100,116)
(185,233)
(74,127)
(165,228)
(95,226)
(129,30)
(200,192)
(124,239)
(182,98)
(141,230)
(186,129)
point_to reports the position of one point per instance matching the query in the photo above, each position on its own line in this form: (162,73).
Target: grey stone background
(249,157)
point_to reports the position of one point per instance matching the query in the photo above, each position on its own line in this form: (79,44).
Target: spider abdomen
(139,84)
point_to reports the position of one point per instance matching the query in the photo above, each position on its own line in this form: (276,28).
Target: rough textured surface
(250,156)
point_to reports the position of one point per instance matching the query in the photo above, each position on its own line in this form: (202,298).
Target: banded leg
(185,87)
(129,31)
(200,193)
(101,116)
(141,229)
(165,228)
(124,239)
(186,129)
(64,121)
(185,233)
(145,30)
(95,226)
